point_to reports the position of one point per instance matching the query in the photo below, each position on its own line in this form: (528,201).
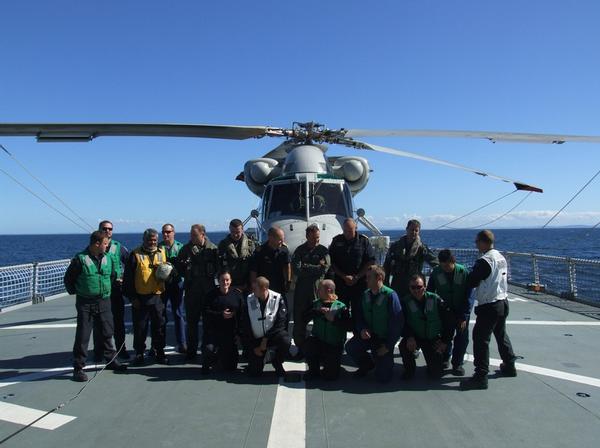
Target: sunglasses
(167,231)
(106,228)
(416,287)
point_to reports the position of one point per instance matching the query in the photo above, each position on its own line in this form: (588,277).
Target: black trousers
(491,318)
(433,359)
(151,308)
(319,352)
(194,306)
(220,349)
(117,307)
(280,342)
(92,314)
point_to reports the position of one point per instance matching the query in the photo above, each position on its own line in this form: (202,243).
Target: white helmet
(163,271)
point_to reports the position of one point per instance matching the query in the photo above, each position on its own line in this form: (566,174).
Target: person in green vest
(449,281)
(330,318)
(89,276)
(173,287)
(428,325)
(379,321)
(119,254)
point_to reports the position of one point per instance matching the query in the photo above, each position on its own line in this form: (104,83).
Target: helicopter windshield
(288,200)
(327,199)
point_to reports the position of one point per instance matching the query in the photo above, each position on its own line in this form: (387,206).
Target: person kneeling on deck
(330,318)
(379,323)
(144,288)
(89,277)
(428,326)
(264,325)
(220,325)
(449,281)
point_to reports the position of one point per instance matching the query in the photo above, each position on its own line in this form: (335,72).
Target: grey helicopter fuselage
(300,186)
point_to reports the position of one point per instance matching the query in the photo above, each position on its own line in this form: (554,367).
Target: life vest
(327,331)
(494,287)
(262,324)
(426,323)
(453,292)
(173,251)
(145,280)
(376,310)
(94,281)
(115,252)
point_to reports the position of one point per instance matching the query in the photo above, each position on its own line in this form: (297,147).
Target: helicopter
(297,182)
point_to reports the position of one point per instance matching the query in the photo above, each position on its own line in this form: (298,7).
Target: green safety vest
(426,324)
(94,282)
(452,293)
(115,253)
(376,310)
(173,251)
(327,331)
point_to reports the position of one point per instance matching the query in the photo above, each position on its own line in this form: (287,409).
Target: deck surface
(163,406)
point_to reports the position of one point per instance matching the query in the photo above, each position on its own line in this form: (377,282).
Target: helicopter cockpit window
(288,200)
(326,199)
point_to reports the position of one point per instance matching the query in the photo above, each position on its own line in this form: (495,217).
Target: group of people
(239,290)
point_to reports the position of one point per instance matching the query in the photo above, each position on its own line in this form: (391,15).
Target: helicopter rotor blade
(89,131)
(362,145)
(516,137)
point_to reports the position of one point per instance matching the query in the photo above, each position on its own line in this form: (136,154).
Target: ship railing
(569,278)
(32,282)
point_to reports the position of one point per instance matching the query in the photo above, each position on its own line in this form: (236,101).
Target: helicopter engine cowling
(258,172)
(354,170)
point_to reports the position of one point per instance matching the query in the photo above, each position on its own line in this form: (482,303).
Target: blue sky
(506,66)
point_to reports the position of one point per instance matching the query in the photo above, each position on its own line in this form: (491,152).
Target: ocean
(568,242)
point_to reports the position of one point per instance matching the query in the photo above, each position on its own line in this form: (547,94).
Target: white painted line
(588,380)
(556,323)
(39,326)
(287,431)
(21,415)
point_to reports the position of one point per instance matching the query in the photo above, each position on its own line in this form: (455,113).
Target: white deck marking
(290,401)
(21,415)
(588,380)
(558,323)
(38,326)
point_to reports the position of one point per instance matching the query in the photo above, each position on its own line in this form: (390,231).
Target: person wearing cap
(311,262)
(428,326)
(449,281)
(235,254)
(264,327)
(198,261)
(119,254)
(489,277)
(90,276)
(379,321)
(173,287)
(406,258)
(325,345)
(144,289)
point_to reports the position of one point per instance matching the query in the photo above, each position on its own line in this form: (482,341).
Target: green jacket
(332,333)
(454,293)
(428,319)
(95,278)
(115,253)
(376,311)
